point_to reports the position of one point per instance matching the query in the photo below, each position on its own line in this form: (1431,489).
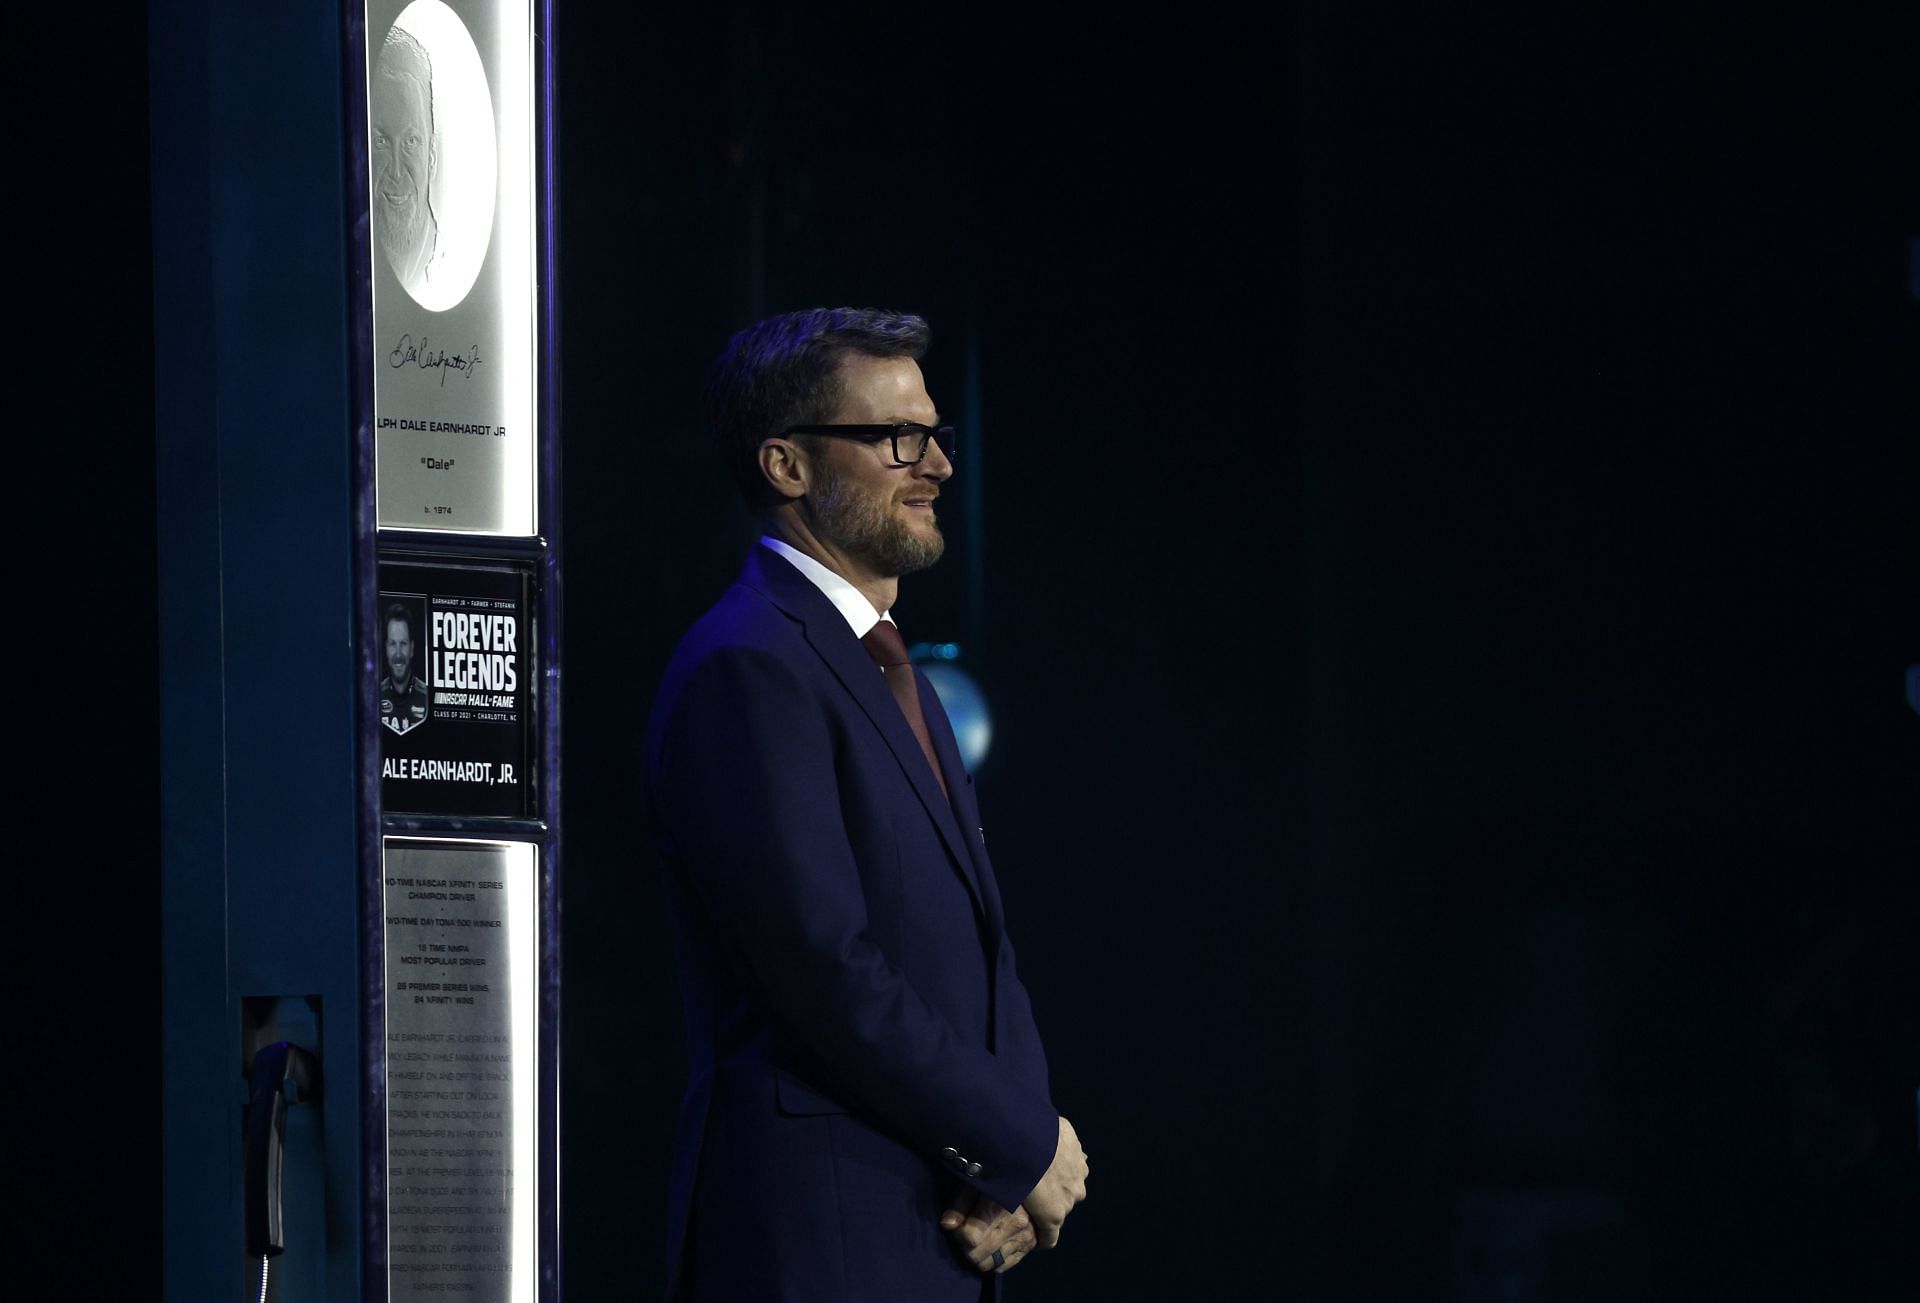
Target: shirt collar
(848,600)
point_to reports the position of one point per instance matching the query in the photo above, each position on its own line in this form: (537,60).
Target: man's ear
(785,466)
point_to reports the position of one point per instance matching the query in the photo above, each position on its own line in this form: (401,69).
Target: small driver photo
(403,695)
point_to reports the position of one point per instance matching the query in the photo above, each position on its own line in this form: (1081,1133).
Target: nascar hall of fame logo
(455,663)
(404,698)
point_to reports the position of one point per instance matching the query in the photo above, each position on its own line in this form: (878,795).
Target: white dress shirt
(846,599)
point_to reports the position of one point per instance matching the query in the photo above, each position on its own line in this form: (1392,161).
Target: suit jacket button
(973,1169)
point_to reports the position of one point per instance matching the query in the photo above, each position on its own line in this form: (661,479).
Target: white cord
(264,1260)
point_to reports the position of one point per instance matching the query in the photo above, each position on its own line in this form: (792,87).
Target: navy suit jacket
(860,1044)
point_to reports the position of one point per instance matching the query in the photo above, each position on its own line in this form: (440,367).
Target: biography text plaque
(461,1058)
(453,214)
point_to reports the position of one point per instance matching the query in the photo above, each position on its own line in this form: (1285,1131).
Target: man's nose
(935,465)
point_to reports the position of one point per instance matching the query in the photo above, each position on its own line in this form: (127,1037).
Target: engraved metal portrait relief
(452,218)
(432,157)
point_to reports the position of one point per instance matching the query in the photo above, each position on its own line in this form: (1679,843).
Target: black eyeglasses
(907,437)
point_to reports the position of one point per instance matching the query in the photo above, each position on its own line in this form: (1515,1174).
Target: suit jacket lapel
(966,804)
(828,634)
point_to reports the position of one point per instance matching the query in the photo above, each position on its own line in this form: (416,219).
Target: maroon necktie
(889,652)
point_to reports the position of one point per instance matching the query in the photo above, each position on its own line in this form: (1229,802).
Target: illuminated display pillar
(457,405)
(359,566)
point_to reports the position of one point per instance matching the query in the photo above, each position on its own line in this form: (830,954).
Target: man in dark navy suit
(868,1116)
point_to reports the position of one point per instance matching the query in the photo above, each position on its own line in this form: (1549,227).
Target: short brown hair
(783,372)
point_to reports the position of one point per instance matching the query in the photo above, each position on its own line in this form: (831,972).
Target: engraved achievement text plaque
(462,977)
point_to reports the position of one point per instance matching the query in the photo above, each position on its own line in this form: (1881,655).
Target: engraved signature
(407,353)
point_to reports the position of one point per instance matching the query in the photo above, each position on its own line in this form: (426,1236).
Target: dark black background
(1450,569)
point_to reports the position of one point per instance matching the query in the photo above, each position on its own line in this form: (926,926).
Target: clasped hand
(982,1226)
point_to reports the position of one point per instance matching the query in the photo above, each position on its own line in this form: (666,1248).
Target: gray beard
(866,529)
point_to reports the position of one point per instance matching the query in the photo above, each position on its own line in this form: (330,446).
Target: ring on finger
(999,1259)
